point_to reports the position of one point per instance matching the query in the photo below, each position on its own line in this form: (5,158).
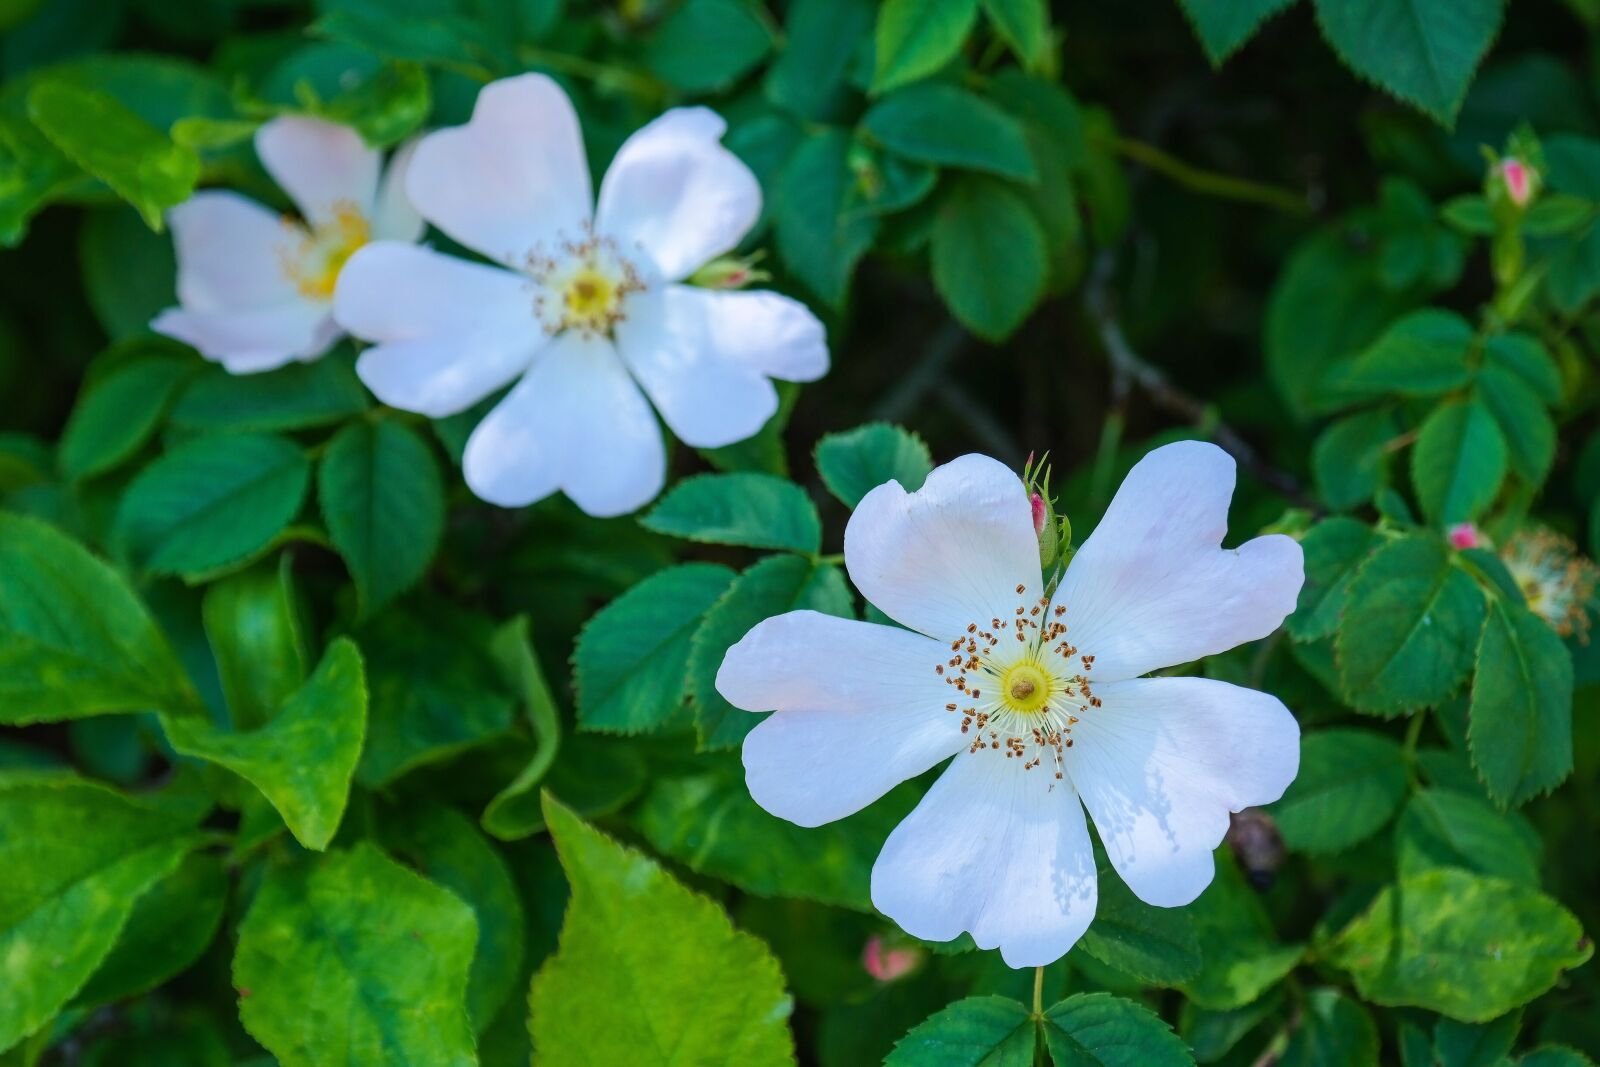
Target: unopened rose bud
(885,963)
(1520,180)
(729,272)
(1041,513)
(1466,535)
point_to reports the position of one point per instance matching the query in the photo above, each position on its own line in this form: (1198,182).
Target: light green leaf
(1423,354)
(648,970)
(295,397)
(1460,944)
(1158,946)
(251,623)
(855,462)
(302,760)
(1521,713)
(120,411)
(212,502)
(383,499)
(631,663)
(917,37)
(1350,784)
(1458,462)
(1406,638)
(947,126)
(989,256)
(77,857)
(1242,956)
(754,510)
(1422,51)
(1223,26)
(1334,1031)
(74,640)
(773,586)
(1447,828)
(975,1032)
(1334,550)
(1025,26)
(1350,458)
(111,142)
(355,960)
(1100,1030)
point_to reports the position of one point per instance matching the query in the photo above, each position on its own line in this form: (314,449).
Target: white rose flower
(1038,697)
(584,306)
(255,289)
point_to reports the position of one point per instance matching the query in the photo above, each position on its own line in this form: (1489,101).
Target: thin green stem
(1038,992)
(1210,183)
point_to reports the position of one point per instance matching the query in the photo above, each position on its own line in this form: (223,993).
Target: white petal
(513,179)
(321,165)
(254,339)
(858,710)
(230,253)
(1161,764)
(1152,587)
(708,399)
(996,851)
(576,422)
(950,554)
(678,194)
(449,332)
(394,217)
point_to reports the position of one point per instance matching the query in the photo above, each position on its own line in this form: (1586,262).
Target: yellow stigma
(591,300)
(1025,687)
(316,259)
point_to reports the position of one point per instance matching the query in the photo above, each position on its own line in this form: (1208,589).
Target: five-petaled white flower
(255,289)
(1039,698)
(584,305)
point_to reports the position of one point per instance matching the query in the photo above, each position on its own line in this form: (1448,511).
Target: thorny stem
(1211,183)
(1128,368)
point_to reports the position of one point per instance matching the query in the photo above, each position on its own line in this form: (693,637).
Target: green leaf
(212,502)
(1520,732)
(1423,354)
(709,823)
(1406,638)
(707,45)
(252,625)
(446,848)
(855,462)
(295,397)
(1334,550)
(1554,1056)
(631,663)
(1350,784)
(773,586)
(1334,1031)
(917,37)
(946,126)
(817,239)
(77,857)
(754,510)
(120,411)
(355,953)
(1422,51)
(648,970)
(514,812)
(128,270)
(989,256)
(1025,26)
(811,76)
(1350,458)
(74,640)
(986,1031)
(1100,1030)
(1446,828)
(1242,955)
(1460,944)
(1525,357)
(1459,462)
(1525,425)
(111,142)
(1158,946)
(303,760)
(383,499)
(1468,1045)
(1223,26)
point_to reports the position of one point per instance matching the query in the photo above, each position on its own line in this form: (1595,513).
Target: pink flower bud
(1466,535)
(1040,513)
(886,964)
(1519,180)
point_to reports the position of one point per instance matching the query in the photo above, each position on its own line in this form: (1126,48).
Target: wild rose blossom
(1037,695)
(583,307)
(255,288)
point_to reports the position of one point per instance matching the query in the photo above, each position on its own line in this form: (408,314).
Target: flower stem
(1211,183)
(1038,992)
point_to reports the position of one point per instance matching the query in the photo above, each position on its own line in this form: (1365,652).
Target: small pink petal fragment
(886,964)
(1466,535)
(1518,179)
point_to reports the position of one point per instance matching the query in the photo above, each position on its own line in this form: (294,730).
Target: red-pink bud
(1041,513)
(886,964)
(1519,180)
(1466,535)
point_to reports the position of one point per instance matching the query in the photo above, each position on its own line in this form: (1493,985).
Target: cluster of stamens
(1555,579)
(1037,683)
(314,256)
(582,286)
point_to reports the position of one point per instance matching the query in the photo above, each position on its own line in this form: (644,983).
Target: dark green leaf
(917,37)
(1350,458)
(1521,712)
(857,461)
(755,510)
(1423,354)
(252,625)
(1223,26)
(989,256)
(1242,955)
(1350,784)
(1334,550)
(120,411)
(1334,1031)
(1157,946)
(1446,828)
(975,1032)
(947,126)
(294,397)
(514,812)
(1100,1030)
(1459,462)
(707,45)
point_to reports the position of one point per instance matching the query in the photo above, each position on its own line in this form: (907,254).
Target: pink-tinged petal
(514,180)
(255,339)
(231,253)
(995,851)
(323,166)
(708,399)
(677,194)
(448,332)
(858,710)
(950,554)
(1162,763)
(394,216)
(576,422)
(1152,586)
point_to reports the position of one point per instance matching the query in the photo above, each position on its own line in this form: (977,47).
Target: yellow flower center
(584,287)
(1025,687)
(317,256)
